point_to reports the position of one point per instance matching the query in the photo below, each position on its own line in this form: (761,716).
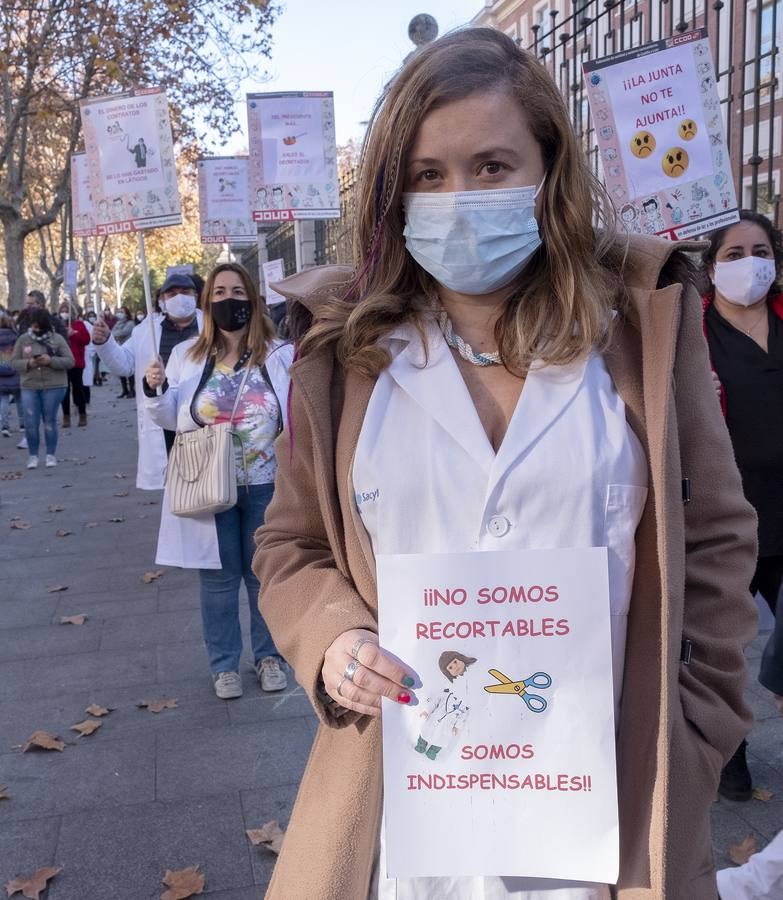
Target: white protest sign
(273,272)
(660,134)
(506,763)
(224,201)
(82,208)
(293,156)
(130,155)
(70,276)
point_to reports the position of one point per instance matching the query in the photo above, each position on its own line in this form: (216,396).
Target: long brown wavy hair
(259,333)
(558,307)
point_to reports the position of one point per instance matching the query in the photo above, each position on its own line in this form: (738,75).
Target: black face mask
(231,314)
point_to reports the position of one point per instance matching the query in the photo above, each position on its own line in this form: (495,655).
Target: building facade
(745,36)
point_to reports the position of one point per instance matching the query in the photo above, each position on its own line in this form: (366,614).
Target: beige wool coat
(694,562)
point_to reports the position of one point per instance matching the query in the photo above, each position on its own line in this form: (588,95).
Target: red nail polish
(403,697)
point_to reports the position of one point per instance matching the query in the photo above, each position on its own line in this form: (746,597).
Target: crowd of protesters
(481,274)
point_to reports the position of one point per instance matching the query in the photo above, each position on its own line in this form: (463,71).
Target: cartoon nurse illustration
(446,712)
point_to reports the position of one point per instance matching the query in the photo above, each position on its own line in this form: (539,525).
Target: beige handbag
(201,479)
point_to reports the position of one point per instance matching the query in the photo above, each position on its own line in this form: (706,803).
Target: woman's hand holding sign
(357,672)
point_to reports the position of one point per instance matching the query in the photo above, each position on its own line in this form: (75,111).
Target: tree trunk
(13,238)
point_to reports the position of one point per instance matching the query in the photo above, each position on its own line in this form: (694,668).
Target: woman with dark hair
(743,322)
(42,358)
(236,359)
(78,340)
(504,375)
(9,377)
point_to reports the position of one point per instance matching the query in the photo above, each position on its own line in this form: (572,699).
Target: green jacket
(54,375)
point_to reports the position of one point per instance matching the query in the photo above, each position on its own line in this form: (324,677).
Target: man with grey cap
(178,320)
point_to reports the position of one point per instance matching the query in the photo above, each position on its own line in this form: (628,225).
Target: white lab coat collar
(430,375)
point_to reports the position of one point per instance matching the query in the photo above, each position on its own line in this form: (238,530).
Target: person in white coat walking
(180,321)
(236,353)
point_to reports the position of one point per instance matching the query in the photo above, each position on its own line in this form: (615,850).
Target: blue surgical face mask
(473,242)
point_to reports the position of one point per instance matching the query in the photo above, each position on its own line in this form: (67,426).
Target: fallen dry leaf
(55,508)
(19,525)
(3,789)
(56,588)
(91,525)
(66,485)
(270,834)
(32,885)
(43,741)
(183,883)
(157,706)
(10,476)
(119,475)
(87,727)
(78,619)
(94,710)
(762,794)
(62,532)
(740,853)
(121,493)
(117,519)
(150,503)
(148,577)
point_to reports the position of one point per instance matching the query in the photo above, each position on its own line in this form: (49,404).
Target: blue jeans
(5,406)
(38,404)
(220,587)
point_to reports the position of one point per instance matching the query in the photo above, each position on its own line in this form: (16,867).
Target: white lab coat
(89,359)
(569,473)
(446,713)
(191,543)
(132,359)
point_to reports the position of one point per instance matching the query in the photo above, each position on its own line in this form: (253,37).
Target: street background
(149,792)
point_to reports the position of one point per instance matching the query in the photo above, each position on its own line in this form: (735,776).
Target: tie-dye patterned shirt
(255,420)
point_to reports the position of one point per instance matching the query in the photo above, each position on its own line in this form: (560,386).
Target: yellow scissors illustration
(533,702)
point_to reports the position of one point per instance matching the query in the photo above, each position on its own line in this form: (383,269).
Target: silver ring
(351,669)
(357,646)
(339,692)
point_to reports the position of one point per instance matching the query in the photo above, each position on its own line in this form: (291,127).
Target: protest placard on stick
(293,156)
(660,136)
(505,762)
(224,201)
(83,210)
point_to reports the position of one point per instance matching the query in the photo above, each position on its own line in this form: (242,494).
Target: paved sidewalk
(148,792)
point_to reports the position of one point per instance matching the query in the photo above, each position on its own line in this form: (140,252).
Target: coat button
(498,526)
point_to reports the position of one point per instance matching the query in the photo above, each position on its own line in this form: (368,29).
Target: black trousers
(76,388)
(767,580)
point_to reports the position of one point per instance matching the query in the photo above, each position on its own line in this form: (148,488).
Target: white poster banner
(505,762)
(70,276)
(273,272)
(82,206)
(293,156)
(224,201)
(130,154)
(659,127)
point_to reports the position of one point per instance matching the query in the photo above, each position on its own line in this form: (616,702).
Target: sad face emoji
(687,129)
(675,162)
(642,144)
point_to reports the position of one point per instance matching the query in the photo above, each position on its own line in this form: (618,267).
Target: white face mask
(745,281)
(473,242)
(121,316)
(180,306)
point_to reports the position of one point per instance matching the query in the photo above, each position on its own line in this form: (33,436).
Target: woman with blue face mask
(495,373)
(743,322)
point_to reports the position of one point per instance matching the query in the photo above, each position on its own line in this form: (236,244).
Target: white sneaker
(271,674)
(51,461)
(228,685)
(22,445)
(32,463)
(5,432)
